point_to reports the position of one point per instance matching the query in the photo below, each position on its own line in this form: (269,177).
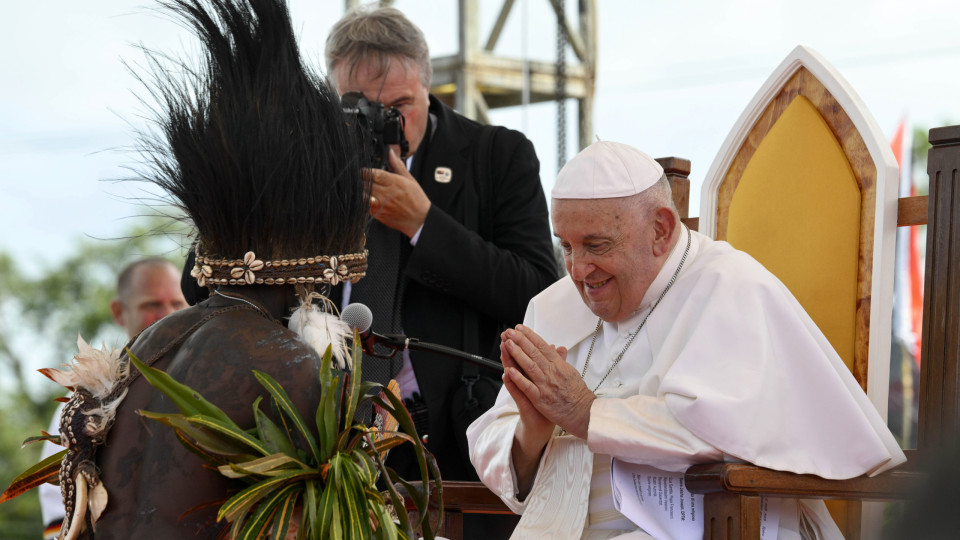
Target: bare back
(154,483)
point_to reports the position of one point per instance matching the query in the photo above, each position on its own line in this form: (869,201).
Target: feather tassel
(321,329)
(96,370)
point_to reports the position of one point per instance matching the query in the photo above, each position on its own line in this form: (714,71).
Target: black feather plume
(252,144)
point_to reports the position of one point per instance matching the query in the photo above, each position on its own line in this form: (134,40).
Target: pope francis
(663,348)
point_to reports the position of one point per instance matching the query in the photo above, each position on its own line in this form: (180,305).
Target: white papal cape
(727,367)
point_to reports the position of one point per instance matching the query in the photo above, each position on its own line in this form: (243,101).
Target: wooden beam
(912,211)
(498,26)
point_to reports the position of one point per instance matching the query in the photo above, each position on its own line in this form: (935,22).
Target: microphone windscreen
(358,317)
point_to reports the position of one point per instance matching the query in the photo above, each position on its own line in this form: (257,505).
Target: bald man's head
(147,291)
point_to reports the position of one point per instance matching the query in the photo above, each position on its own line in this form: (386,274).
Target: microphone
(359,318)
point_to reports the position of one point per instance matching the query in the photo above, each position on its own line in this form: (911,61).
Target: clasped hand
(548,391)
(396,198)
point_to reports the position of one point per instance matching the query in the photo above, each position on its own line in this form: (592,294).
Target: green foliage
(918,156)
(333,485)
(41,314)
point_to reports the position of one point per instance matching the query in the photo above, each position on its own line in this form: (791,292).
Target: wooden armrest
(745,479)
(912,210)
(472,497)
(468,497)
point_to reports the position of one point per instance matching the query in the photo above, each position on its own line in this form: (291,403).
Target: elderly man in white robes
(663,348)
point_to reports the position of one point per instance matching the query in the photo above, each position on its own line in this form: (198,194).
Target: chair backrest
(807,184)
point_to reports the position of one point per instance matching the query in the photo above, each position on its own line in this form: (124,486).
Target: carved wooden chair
(806,183)
(732,492)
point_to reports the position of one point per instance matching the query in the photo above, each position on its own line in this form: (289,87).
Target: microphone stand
(400,342)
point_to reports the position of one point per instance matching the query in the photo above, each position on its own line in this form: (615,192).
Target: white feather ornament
(321,329)
(96,370)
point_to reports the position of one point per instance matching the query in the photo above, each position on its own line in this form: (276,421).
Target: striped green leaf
(327,419)
(209,441)
(263,518)
(41,473)
(231,431)
(288,409)
(328,512)
(236,506)
(386,528)
(368,469)
(356,516)
(284,513)
(276,439)
(185,398)
(272,465)
(309,522)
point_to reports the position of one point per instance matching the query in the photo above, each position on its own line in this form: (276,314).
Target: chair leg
(452,524)
(729,516)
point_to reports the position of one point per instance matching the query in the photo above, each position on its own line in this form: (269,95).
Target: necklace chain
(633,334)
(253,303)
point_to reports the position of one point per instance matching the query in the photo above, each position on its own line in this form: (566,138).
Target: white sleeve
(641,429)
(490,439)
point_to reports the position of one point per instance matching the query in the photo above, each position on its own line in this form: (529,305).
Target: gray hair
(657,196)
(377,35)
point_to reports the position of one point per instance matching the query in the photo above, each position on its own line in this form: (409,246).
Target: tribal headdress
(253,146)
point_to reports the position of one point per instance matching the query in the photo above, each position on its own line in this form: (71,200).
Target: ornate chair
(732,492)
(807,184)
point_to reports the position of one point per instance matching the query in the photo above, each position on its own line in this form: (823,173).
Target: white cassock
(728,367)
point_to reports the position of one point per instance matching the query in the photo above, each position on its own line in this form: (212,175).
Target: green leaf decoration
(236,506)
(272,465)
(263,517)
(368,469)
(353,510)
(331,483)
(396,499)
(41,473)
(277,440)
(229,429)
(328,512)
(289,410)
(213,459)
(310,512)
(352,381)
(55,439)
(328,409)
(210,441)
(185,398)
(285,510)
(382,516)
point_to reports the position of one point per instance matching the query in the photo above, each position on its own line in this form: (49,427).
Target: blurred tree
(40,317)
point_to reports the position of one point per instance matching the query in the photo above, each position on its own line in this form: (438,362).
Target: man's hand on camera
(396,199)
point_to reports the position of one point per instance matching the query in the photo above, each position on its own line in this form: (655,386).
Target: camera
(377,128)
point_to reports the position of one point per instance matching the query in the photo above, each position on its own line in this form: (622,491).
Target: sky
(672,79)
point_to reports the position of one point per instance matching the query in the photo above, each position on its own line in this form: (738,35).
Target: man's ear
(116,309)
(664,225)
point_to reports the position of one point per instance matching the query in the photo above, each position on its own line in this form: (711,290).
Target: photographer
(459,241)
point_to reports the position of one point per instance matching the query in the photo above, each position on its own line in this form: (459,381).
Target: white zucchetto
(605,170)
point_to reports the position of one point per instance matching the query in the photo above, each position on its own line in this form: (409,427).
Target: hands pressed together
(548,391)
(396,198)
